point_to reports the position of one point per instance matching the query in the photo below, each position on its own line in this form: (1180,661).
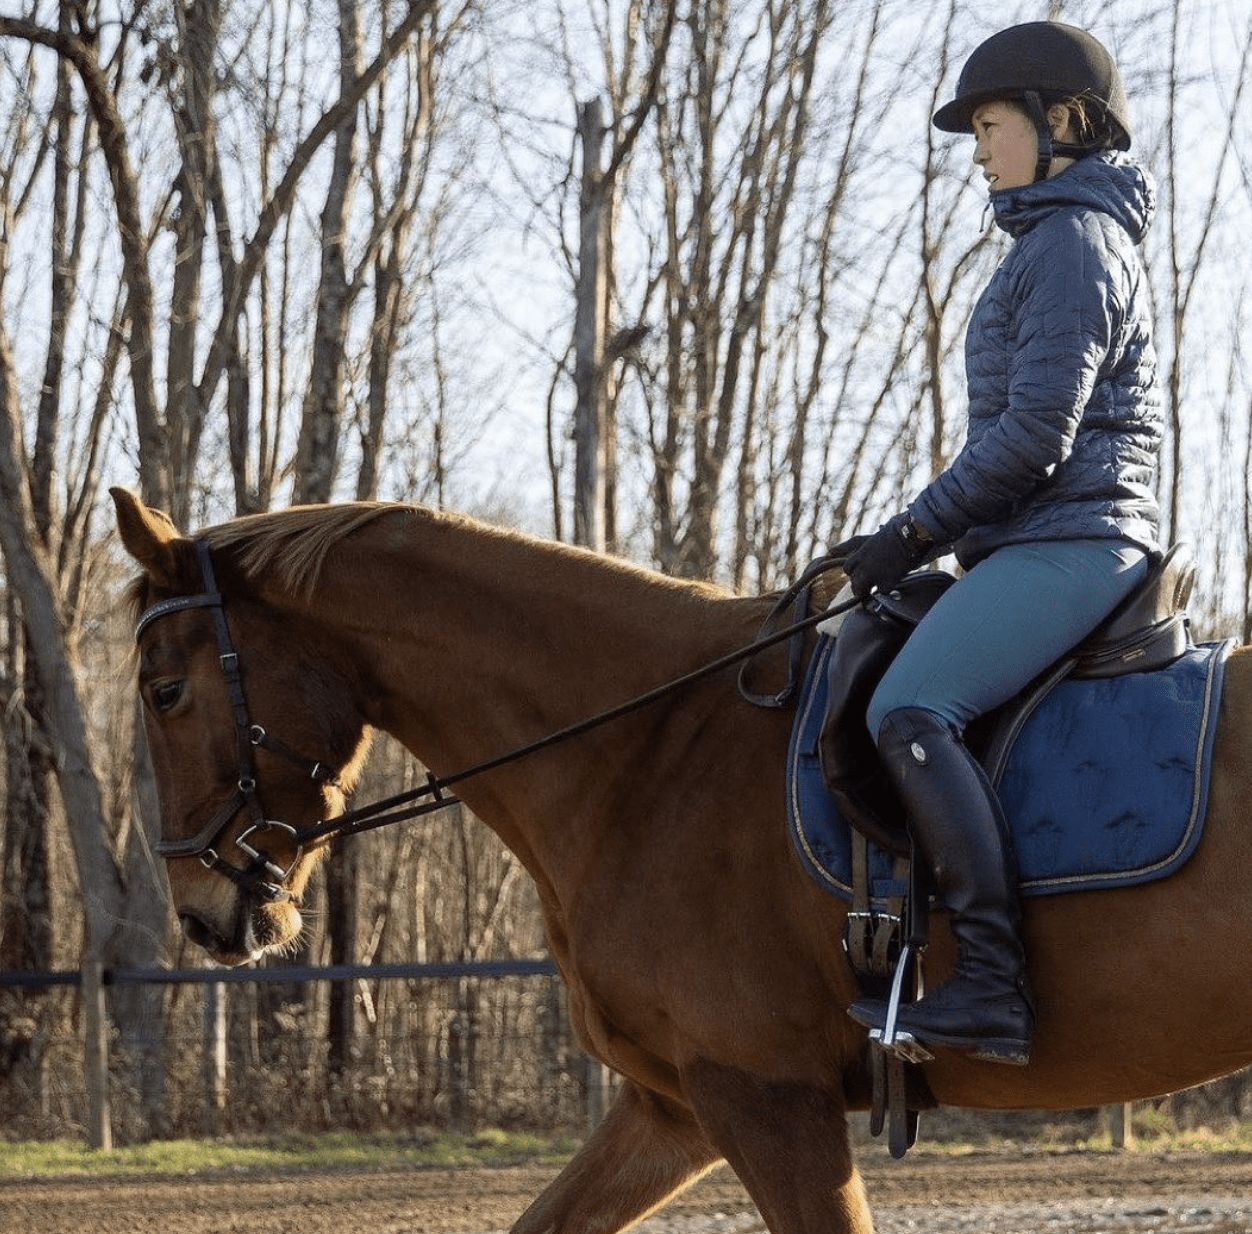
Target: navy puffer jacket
(1064,409)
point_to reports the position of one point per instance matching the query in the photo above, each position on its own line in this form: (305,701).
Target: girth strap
(872,933)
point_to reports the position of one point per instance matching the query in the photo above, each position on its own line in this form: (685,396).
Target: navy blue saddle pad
(1105,786)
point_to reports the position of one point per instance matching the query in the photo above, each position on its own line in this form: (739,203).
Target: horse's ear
(150,537)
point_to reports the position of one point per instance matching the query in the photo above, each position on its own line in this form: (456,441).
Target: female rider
(1049,505)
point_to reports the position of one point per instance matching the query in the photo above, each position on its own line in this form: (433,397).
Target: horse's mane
(293,543)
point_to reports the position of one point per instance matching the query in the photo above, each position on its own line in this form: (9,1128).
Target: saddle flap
(868,640)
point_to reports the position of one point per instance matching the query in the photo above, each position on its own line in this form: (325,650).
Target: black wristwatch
(914,534)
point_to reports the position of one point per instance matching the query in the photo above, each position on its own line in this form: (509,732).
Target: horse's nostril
(199,932)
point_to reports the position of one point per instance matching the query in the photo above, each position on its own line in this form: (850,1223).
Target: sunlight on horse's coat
(702,962)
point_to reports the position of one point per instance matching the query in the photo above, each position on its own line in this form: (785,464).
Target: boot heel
(1012,1053)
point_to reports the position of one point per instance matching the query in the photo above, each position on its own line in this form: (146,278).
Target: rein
(268,878)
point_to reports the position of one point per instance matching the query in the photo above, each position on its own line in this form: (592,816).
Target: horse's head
(240,709)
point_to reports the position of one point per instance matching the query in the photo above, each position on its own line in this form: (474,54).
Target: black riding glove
(845,548)
(884,558)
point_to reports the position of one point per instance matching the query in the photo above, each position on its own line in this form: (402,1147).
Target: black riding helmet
(1037,64)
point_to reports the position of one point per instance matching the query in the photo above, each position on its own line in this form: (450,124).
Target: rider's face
(1006,146)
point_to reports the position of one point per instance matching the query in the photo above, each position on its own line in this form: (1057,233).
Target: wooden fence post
(597,1082)
(96,1054)
(214,1056)
(1121,1131)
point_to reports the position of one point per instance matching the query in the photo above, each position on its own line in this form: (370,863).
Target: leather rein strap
(267,878)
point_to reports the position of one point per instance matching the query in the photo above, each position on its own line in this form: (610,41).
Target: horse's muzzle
(238,947)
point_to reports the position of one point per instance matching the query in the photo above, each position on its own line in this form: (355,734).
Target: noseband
(261,874)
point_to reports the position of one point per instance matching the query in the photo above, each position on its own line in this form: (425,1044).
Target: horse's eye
(165,695)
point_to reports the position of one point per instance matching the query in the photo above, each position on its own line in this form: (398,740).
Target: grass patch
(491,1147)
(1151,1135)
(959,1133)
(333,1150)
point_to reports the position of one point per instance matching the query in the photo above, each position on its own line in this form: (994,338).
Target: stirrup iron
(889,1038)
(891,1050)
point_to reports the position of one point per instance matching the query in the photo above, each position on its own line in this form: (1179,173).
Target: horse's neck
(471,644)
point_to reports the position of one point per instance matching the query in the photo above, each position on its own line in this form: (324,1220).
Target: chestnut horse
(703,965)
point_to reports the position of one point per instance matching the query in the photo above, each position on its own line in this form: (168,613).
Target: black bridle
(261,874)
(264,876)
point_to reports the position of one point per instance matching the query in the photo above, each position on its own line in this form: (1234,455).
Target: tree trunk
(110,935)
(341,927)
(589,330)
(317,453)
(25,889)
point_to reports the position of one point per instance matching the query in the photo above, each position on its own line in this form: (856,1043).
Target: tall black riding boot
(957,824)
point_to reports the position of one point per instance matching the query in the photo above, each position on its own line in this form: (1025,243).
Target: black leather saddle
(1148,630)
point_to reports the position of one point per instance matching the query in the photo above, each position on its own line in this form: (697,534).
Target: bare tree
(646,37)
(44,547)
(238,271)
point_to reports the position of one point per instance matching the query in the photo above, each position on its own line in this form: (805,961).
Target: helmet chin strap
(1049,147)
(1035,110)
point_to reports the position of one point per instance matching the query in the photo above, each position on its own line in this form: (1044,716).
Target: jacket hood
(1110,182)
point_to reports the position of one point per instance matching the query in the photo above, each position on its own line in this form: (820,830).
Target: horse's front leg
(646,1149)
(788,1143)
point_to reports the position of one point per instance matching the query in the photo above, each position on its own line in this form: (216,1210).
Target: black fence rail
(474,1036)
(294,972)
